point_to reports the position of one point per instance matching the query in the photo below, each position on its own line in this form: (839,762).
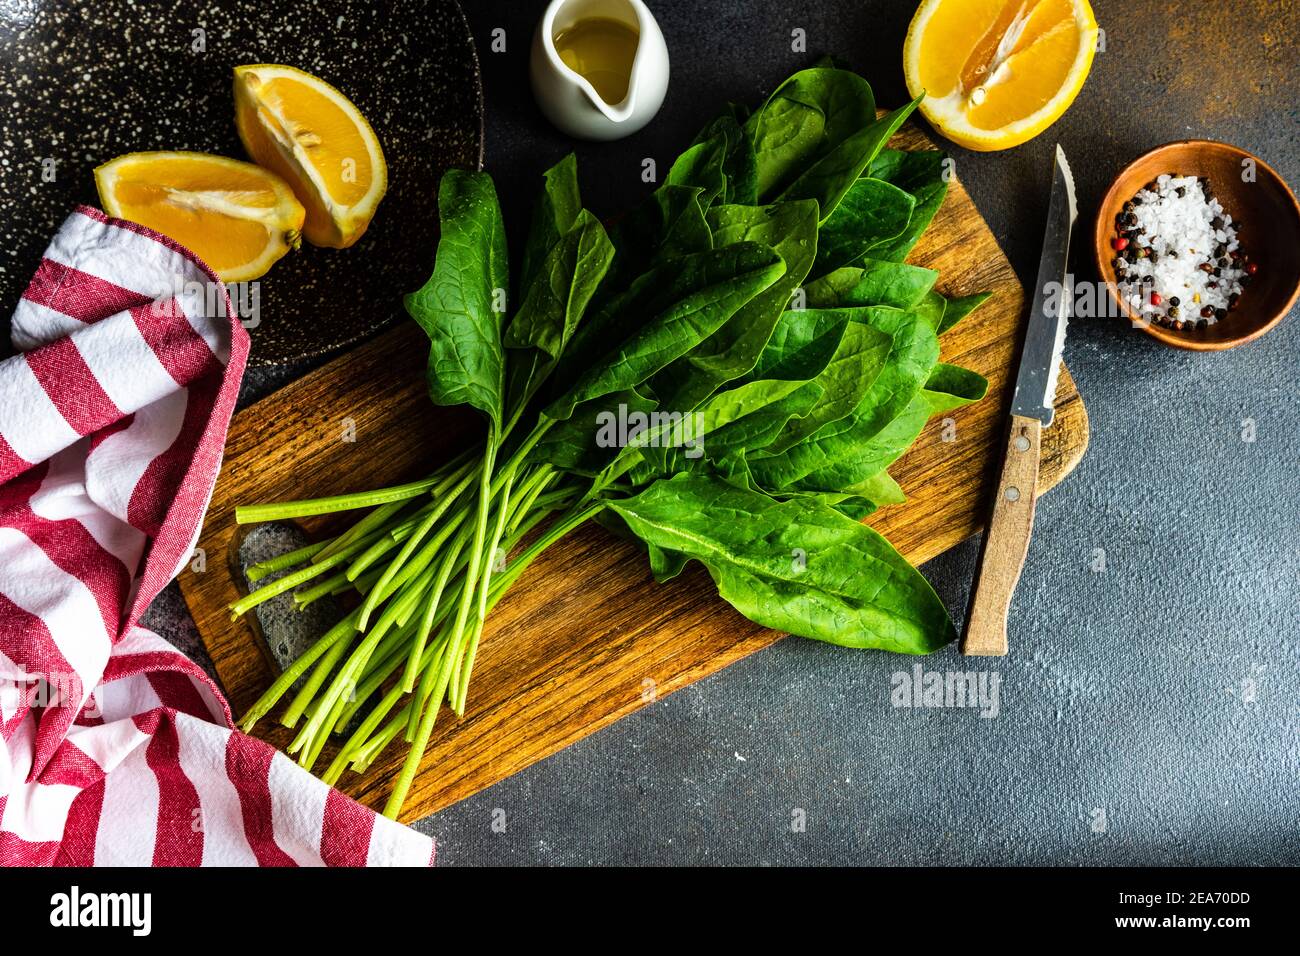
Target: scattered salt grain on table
(1177,258)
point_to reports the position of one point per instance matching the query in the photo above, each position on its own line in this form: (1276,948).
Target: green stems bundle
(419,620)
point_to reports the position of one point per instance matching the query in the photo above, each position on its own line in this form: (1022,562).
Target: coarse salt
(1183,248)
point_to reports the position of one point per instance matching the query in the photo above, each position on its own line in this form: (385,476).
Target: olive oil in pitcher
(602,50)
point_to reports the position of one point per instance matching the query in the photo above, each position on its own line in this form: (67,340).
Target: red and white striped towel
(114,747)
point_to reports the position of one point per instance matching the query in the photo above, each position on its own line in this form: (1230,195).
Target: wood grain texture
(1006,541)
(586,636)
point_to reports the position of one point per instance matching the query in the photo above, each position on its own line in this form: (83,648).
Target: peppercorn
(1205,267)
(1181,192)
(1235,254)
(1142,252)
(1216,271)
(1173,310)
(1207,312)
(1220,314)
(1212,285)
(1119,243)
(1156,298)
(1232,300)
(1178,326)
(1224,262)
(1146,279)
(1175,301)
(1217,222)
(1252,268)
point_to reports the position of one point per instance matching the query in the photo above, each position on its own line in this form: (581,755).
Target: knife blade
(1011,517)
(1049,313)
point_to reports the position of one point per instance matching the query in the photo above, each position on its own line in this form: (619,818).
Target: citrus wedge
(998,72)
(308,132)
(236,217)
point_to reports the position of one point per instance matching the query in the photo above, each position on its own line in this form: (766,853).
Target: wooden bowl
(1269,232)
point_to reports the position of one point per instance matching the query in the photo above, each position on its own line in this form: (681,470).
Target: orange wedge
(300,127)
(236,217)
(998,72)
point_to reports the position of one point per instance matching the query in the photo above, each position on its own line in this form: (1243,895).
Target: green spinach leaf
(857,362)
(701,167)
(805,118)
(732,351)
(931,310)
(829,178)
(951,386)
(914,350)
(666,313)
(554,214)
(669,224)
(458,306)
(798,566)
(873,282)
(740,165)
(925,175)
(871,213)
(562,289)
(554,304)
(958,309)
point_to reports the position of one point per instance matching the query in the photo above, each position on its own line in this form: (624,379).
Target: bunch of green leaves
(754,317)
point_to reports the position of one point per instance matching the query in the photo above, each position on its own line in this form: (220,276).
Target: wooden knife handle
(1006,541)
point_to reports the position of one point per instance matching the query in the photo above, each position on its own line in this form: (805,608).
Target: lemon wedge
(306,131)
(236,217)
(996,73)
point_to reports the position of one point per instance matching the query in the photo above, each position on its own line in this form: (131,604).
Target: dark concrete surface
(1149,712)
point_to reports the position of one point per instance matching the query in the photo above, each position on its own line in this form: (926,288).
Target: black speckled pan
(83,82)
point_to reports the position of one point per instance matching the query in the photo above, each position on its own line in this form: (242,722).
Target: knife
(1011,519)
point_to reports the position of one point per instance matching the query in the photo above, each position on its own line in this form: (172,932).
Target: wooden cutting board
(586,636)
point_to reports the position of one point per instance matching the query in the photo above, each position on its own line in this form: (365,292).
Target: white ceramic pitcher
(570,101)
